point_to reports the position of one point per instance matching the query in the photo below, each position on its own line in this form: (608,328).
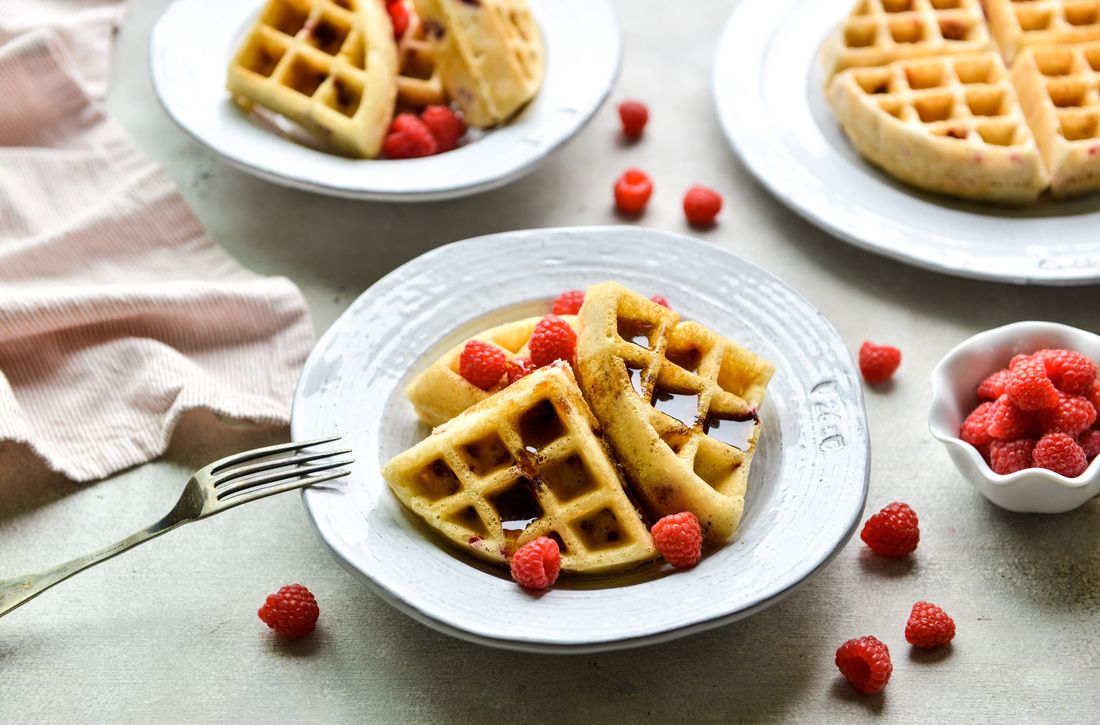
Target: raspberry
(660,299)
(292,611)
(929,626)
(632,191)
(634,116)
(553,339)
(520,367)
(1007,422)
(1059,453)
(1070,371)
(1016,360)
(569,303)
(1093,394)
(537,563)
(1090,443)
(399,16)
(975,429)
(701,205)
(893,531)
(993,386)
(984,451)
(865,662)
(679,539)
(878,362)
(444,125)
(1029,387)
(408,138)
(482,364)
(1073,415)
(1010,456)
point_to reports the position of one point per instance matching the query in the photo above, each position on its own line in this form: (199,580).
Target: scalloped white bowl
(954,381)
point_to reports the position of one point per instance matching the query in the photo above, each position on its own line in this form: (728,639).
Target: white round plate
(807,484)
(194,40)
(768,83)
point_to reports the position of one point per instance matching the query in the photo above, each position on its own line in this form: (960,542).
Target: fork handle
(21,589)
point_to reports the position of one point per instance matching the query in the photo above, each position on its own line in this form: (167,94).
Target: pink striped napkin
(117,312)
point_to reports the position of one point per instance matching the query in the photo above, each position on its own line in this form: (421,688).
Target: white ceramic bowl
(954,381)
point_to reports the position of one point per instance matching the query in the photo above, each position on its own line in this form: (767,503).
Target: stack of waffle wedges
(995,100)
(335,68)
(655,416)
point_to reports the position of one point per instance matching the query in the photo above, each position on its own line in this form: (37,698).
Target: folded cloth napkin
(117,312)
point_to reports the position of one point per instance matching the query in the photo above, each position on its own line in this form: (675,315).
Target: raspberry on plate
(1029,387)
(894,531)
(568,303)
(993,386)
(1007,457)
(292,611)
(975,429)
(632,191)
(1007,422)
(929,626)
(520,367)
(634,116)
(409,138)
(1059,453)
(482,364)
(1070,371)
(553,339)
(661,300)
(399,16)
(1073,415)
(445,126)
(679,538)
(537,563)
(878,363)
(701,205)
(865,662)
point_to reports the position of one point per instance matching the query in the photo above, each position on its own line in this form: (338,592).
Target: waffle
(525,463)
(440,393)
(878,32)
(1017,24)
(329,65)
(419,82)
(1060,91)
(490,55)
(949,124)
(678,403)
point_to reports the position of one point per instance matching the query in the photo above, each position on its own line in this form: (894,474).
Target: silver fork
(218,487)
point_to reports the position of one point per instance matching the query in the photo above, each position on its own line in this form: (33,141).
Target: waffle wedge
(490,55)
(1019,24)
(524,463)
(677,402)
(329,65)
(419,82)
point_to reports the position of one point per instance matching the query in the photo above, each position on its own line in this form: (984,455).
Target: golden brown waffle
(440,393)
(677,401)
(1017,24)
(490,55)
(329,65)
(419,82)
(525,463)
(1060,91)
(948,124)
(882,31)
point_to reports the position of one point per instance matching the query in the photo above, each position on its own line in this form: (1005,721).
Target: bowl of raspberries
(1016,408)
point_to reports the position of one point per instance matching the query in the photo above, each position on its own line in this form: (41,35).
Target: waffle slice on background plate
(419,82)
(525,462)
(677,402)
(1018,24)
(329,65)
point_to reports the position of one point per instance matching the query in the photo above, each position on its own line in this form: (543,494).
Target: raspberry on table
(865,662)
(975,429)
(445,126)
(993,386)
(482,364)
(634,116)
(894,531)
(1070,371)
(661,300)
(632,191)
(1059,453)
(408,138)
(1007,422)
(553,339)
(292,611)
(568,303)
(1029,387)
(701,205)
(929,626)
(520,367)
(537,563)
(1073,415)
(1090,443)
(679,538)
(399,16)
(1007,457)
(878,363)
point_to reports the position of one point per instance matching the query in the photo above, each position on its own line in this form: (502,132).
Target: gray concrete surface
(169,631)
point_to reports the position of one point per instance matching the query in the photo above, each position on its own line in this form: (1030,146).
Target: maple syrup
(637,332)
(517,507)
(635,374)
(540,426)
(684,407)
(734,431)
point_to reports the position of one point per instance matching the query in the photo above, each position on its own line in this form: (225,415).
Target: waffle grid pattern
(1018,24)
(419,82)
(1071,79)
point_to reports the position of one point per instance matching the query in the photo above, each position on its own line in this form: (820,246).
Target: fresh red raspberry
(993,386)
(975,429)
(984,450)
(399,16)
(553,339)
(1073,415)
(1007,457)
(1093,394)
(929,626)
(537,563)
(1017,359)
(568,303)
(878,362)
(894,531)
(632,191)
(409,138)
(660,299)
(1090,443)
(634,116)
(444,125)
(865,662)
(1070,371)
(482,364)
(701,205)
(520,367)
(1059,453)
(292,611)
(679,539)
(1007,422)
(1029,387)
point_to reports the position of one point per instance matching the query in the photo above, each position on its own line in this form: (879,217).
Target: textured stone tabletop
(169,631)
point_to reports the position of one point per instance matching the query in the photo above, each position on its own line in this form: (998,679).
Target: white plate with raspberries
(808,481)
(190,54)
(768,86)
